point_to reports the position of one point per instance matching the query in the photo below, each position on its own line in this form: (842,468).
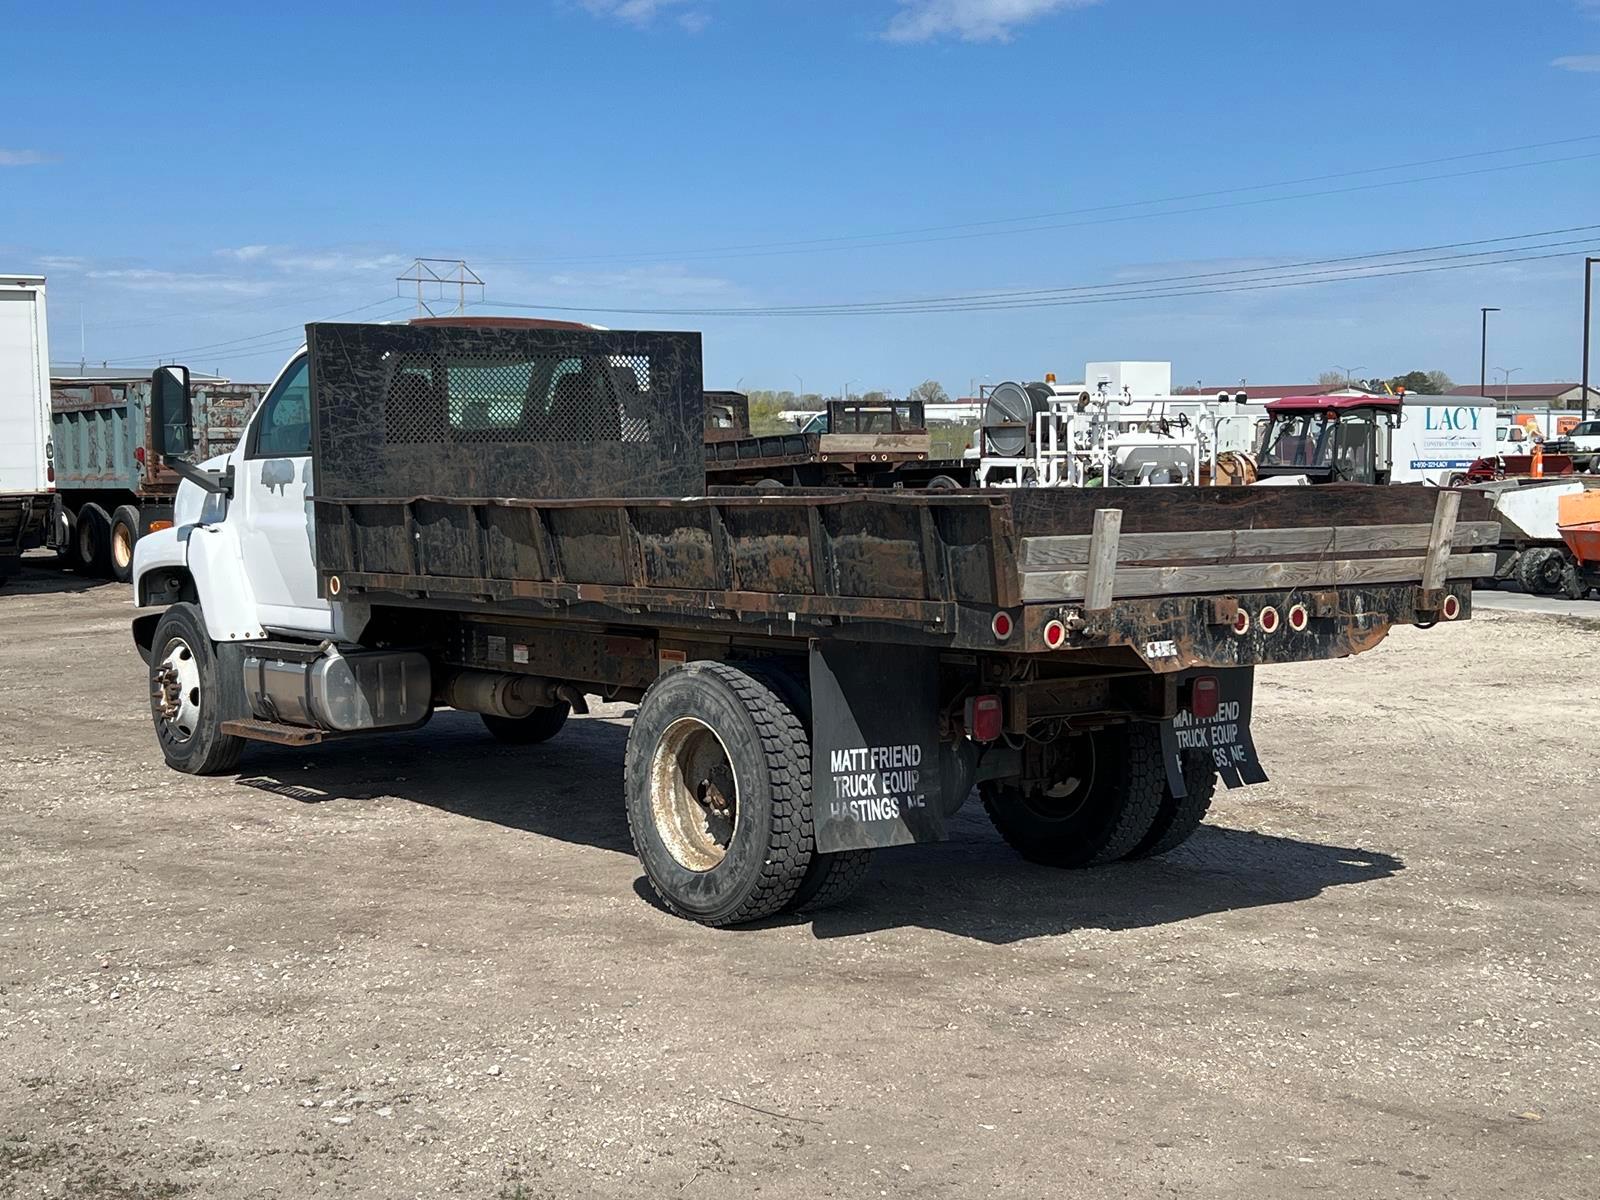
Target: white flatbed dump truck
(25,472)
(506,519)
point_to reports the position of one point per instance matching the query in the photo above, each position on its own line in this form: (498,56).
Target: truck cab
(1330,439)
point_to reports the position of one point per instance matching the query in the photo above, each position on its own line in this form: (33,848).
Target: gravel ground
(427,965)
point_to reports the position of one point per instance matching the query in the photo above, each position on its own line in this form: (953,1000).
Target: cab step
(272,731)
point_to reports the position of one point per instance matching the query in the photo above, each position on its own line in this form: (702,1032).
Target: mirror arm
(219,483)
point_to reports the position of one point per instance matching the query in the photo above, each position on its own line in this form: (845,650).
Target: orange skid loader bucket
(1578,519)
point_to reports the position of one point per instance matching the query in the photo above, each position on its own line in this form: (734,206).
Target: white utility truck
(503,517)
(26,475)
(1376,439)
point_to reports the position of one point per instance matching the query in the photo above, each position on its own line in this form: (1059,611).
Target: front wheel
(186,691)
(718,785)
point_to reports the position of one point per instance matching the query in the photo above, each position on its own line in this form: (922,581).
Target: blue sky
(198,181)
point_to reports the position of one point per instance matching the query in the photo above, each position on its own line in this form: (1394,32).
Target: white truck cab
(241,540)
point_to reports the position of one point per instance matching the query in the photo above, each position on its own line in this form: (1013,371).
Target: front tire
(1108,799)
(186,696)
(718,782)
(540,725)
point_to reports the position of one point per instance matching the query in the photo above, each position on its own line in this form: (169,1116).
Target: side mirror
(171,417)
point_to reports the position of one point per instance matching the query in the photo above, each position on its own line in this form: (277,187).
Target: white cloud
(970,20)
(1577,62)
(643,12)
(287,258)
(150,279)
(666,282)
(25,158)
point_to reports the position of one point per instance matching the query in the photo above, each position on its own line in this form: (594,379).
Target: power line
(986,228)
(1061,297)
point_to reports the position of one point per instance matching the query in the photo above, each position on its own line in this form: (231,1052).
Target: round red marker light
(1299,618)
(1451,608)
(1055,633)
(1267,618)
(1241,622)
(1001,626)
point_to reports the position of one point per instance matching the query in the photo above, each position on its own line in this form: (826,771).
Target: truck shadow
(40,576)
(972,886)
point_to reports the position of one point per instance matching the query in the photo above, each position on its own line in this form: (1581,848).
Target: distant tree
(929,391)
(1439,384)
(1331,380)
(873,397)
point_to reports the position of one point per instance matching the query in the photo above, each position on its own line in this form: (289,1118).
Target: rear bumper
(1250,629)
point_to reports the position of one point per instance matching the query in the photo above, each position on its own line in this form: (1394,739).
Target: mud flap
(875,756)
(1225,736)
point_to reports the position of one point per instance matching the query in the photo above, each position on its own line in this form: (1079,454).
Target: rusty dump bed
(419,504)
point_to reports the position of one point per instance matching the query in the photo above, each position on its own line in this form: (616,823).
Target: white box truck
(25,473)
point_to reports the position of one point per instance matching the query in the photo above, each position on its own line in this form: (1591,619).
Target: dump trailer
(853,443)
(25,470)
(509,521)
(111,489)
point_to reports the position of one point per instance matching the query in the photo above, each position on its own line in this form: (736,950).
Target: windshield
(1319,441)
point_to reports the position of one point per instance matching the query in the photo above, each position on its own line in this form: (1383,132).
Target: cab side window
(284,428)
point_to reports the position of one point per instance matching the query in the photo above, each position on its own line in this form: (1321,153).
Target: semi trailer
(111,488)
(25,470)
(509,520)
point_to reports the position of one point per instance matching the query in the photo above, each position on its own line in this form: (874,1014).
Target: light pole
(801,379)
(1505,382)
(1348,372)
(845,395)
(1588,279)
(1483,352)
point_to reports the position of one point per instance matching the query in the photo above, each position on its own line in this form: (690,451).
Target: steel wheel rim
(694,794)
(122,545)
(1075,791)
(177,690)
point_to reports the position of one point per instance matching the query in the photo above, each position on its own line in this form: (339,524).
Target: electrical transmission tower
(432,275)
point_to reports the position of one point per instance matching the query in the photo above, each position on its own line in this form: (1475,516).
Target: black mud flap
(875,772)
(1225,736)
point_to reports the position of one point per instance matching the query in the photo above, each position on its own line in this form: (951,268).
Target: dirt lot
(424,965)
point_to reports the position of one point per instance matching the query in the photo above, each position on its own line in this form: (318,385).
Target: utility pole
(1483,353)
(1588,280)
(434,274)
(1505,383)
(1348,372)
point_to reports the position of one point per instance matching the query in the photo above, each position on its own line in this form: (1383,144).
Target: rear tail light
(1451,608)
(1267,619)
(138,455)
(1241,622)
(50,473)
(1299,617)
(1204,695)
(1055,633)
(985,718)
(1002,626)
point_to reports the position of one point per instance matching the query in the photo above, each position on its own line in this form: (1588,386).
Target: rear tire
(1178,819)
(538,726)
(831,878)
(718,782)
(188,696)
(124,535)
(92,541)
(66,546)
(944,483)
(1107,806)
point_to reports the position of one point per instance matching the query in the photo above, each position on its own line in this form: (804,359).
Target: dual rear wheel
(1110,801)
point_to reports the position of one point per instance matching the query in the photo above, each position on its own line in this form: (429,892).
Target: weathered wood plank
(1102,574)
(1040,585)
(1440,539)
(1134,548)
